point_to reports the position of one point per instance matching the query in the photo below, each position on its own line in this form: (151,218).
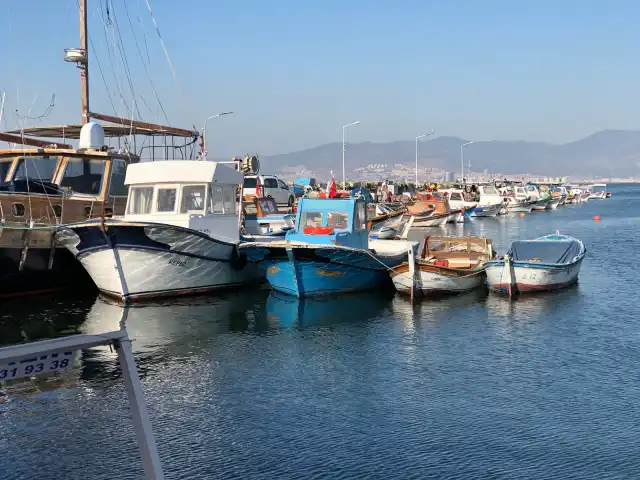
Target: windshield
(489,190)
(5,166)
(36,168)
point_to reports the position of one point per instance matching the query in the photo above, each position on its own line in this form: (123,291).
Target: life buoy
(318,230)
(238,260)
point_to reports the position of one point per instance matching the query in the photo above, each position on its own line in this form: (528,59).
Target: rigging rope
(173,72)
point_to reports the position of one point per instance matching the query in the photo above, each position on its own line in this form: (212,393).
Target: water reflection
(531,306)
(284,311)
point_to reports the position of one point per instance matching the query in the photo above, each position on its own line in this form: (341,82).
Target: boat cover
(545,251)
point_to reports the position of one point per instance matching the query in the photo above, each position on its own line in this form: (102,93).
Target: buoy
(521,214)
(597,218)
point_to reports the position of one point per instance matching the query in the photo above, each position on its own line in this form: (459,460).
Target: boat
(261,216)
(598,191)
(434,212)
(546,263)
(329,251)
(553,203)
(178,236)
(513,205)
(445,265)
(430,218)
(55,175)
(491,203)
(396,228)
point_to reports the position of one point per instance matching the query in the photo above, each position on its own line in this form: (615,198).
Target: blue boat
(328,251)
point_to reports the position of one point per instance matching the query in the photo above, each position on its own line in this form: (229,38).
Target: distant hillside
(606,153)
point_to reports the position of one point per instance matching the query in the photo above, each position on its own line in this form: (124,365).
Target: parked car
(273,187)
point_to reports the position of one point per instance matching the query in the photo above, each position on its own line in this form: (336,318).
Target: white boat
(456,216)
(547,263)
(430,219)
(445,265)
(179,235)
(598,191)
(515,205)
(553,203)
(490,204)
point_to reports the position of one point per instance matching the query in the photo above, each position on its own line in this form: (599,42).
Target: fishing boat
(513,205)
(598,191)
(553,203)
(546,263)
(178,236)
(328,251)
(55,175)
(261,216)
(445,265)
(434,212)
(396,228)
(457,201)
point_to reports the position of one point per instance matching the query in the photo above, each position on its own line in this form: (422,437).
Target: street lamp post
(204,129)
(462,160)
(418,138)
(344,145)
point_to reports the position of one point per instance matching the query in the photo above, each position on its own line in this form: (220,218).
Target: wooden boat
(47,182)
(396,228)
(179,235)
(379,212)
(328,252)
(433,212)
(445,265)
(546,263)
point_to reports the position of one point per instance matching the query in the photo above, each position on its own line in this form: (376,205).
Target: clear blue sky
(294,72)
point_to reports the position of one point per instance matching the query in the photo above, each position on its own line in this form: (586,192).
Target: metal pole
(84,67)
(139,412)
(418,138)
(462,160)
(344,146)
(204,129)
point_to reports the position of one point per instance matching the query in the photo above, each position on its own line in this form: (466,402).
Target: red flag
(332,187)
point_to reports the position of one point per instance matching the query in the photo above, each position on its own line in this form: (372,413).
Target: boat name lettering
(529,276)
(178,263)
(204,230)
(30,368)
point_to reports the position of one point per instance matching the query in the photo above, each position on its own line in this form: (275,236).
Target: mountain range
(605,153)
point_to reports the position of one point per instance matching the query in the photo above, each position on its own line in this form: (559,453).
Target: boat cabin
(489,195)
(194,194)
(336,221)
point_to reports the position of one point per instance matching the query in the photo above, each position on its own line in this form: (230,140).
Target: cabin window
(229,198)
(83,175)
(310,219)
(250,208)
(489,190)
(140,200)
(192,198)
(455,196)
(36,168)
(5,166)
(117,188)
(17,209)
(361,216)
(338,220)
(166,200)
(57,211)
(216,203)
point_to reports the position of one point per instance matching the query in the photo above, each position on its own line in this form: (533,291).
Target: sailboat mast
(84,68)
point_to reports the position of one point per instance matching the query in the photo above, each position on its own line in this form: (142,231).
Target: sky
(294,72)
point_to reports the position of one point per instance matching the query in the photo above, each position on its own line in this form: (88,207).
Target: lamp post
(344,145)
(418,138)
(204,129)
(462,160)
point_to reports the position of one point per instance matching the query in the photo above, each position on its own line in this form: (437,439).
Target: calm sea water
(258,386)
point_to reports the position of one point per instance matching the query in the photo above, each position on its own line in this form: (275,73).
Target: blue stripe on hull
(309,278)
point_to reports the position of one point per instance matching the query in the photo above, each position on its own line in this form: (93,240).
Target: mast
(84,66)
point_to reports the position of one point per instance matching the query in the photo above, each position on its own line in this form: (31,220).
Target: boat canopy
(181,171)
(545,251)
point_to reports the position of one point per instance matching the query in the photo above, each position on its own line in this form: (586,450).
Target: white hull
(487,210)
(432,283)
(530,279)
(153,273)
(520,208)
(429,221)
(456,217)
(553,204)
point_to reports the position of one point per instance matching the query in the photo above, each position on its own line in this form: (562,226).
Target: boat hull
(487,210)
(532,277)
(540,205)
(432,220)
(134,262)
(553,204)
(309,271)
(436,281)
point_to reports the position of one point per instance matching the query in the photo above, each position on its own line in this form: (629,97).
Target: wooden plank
(34,142)
(149,126)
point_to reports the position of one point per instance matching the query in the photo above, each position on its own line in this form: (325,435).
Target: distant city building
(448,176)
